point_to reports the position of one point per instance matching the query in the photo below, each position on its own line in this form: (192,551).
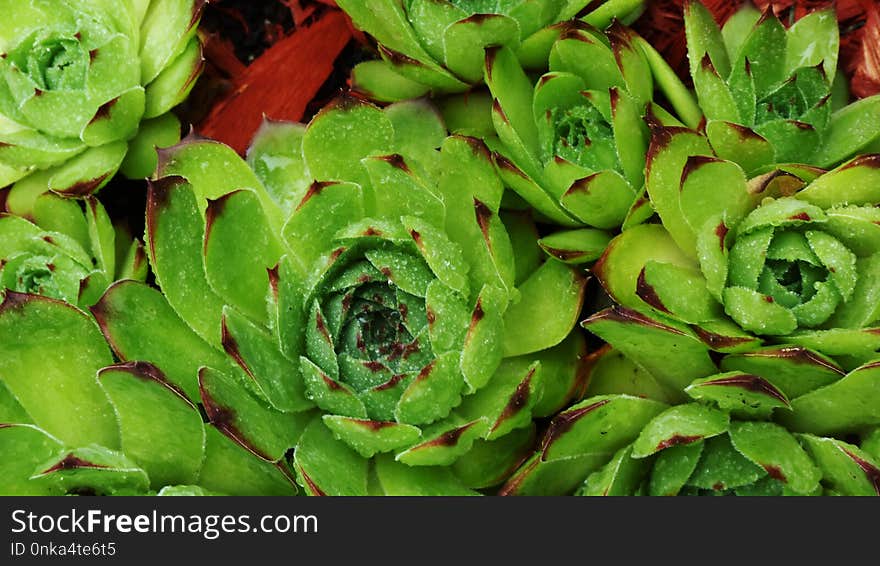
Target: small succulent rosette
(774,421)
(788,257)
(773,95)
(86,89)
(71,251)
(437,46)
(572,144)
(381,330)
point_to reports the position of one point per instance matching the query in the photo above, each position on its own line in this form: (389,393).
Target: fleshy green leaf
(226,462)
(680,425)
(668,351)
(175,234)
(778,452)
(550,305)
(847,405)
(24,448)
(235,412)
(159,428)
(844,467)
(794,371)
(369,437)
(239,247)
(140,325)
(52,375)
(739,393)
(94,469)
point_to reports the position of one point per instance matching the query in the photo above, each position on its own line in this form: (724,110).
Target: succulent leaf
(160,429)
(52,376)
(131,406)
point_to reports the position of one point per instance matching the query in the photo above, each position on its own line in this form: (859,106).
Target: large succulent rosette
(773,95)
(71,251)
(773,421)
(788,257)
(436,46)
(86,89)
(381,330)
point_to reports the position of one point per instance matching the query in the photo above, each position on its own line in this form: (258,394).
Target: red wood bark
(280,83)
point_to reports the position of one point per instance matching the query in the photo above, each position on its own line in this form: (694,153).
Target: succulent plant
(573,144)
(73,422)
(773,95)
(72,251)
(788,257)
(364,305)
(436,46)
(380,330)
(775,421)
(86,89)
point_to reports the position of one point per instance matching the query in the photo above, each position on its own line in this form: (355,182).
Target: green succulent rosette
(774,95)
(74,422)
(774,421)
(71,251)
(382,329)
(86,89)
(572,144)
(437,46)
(788,257)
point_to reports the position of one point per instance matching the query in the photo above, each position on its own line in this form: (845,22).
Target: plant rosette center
(783,258)
(585,138)
(770,91)
(32,274)
(53,62)
(378,332)
(788,102)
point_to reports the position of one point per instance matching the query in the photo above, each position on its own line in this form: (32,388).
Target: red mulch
(862,55)
(281,82)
